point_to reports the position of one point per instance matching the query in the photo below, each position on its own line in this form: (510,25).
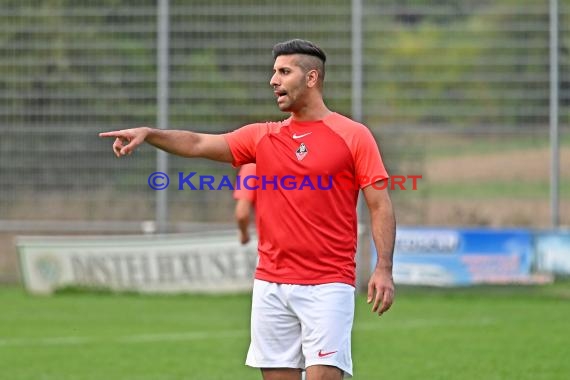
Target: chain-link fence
(455,91)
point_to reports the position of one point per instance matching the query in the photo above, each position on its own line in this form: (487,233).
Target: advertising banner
(553,252)
(448,257)
(144,263)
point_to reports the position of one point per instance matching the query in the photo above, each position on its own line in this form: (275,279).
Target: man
(303,292)
(245,201)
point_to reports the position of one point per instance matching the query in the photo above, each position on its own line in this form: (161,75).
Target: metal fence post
(162,109)
(363,253)
(554,144)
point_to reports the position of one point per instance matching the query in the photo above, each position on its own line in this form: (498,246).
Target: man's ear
(312,78)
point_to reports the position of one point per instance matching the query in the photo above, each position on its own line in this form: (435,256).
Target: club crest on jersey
(301,151)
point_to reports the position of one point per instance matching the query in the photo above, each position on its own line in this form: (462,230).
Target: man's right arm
(180,143)
(242,214)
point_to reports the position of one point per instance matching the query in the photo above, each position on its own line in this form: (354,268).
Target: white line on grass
(174,337)
(137,338)
(425,322)
(228,334)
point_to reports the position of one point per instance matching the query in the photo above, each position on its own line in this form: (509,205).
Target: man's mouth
(280,95)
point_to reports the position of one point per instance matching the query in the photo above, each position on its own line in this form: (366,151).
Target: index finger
(111,134)
(377,301)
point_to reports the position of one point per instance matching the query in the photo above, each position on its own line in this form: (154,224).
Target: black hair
(298,46)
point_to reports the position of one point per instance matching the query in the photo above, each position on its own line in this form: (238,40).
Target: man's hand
(381,290)
(126,140)
(244,237)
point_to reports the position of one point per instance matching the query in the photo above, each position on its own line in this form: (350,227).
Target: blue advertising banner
(553,252)
(447,257)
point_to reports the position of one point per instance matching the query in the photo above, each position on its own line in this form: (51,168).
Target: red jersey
(305,212)
(247,174)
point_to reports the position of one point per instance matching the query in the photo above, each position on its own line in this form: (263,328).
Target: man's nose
(273,80)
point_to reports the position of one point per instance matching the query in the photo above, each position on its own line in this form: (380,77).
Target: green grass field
(487,143)
(482,333)
(494,190)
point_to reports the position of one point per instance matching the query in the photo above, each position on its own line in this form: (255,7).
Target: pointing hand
(126,140)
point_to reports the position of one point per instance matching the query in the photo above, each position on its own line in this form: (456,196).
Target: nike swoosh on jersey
(295,136)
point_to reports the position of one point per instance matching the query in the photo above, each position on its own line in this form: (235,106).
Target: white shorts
(297,326)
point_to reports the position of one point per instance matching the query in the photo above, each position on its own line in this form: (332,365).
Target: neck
(310,112)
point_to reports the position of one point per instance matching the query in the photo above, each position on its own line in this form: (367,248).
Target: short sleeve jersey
(309,175)
(247,181)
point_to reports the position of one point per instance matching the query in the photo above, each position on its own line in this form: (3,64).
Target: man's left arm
(383,223)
